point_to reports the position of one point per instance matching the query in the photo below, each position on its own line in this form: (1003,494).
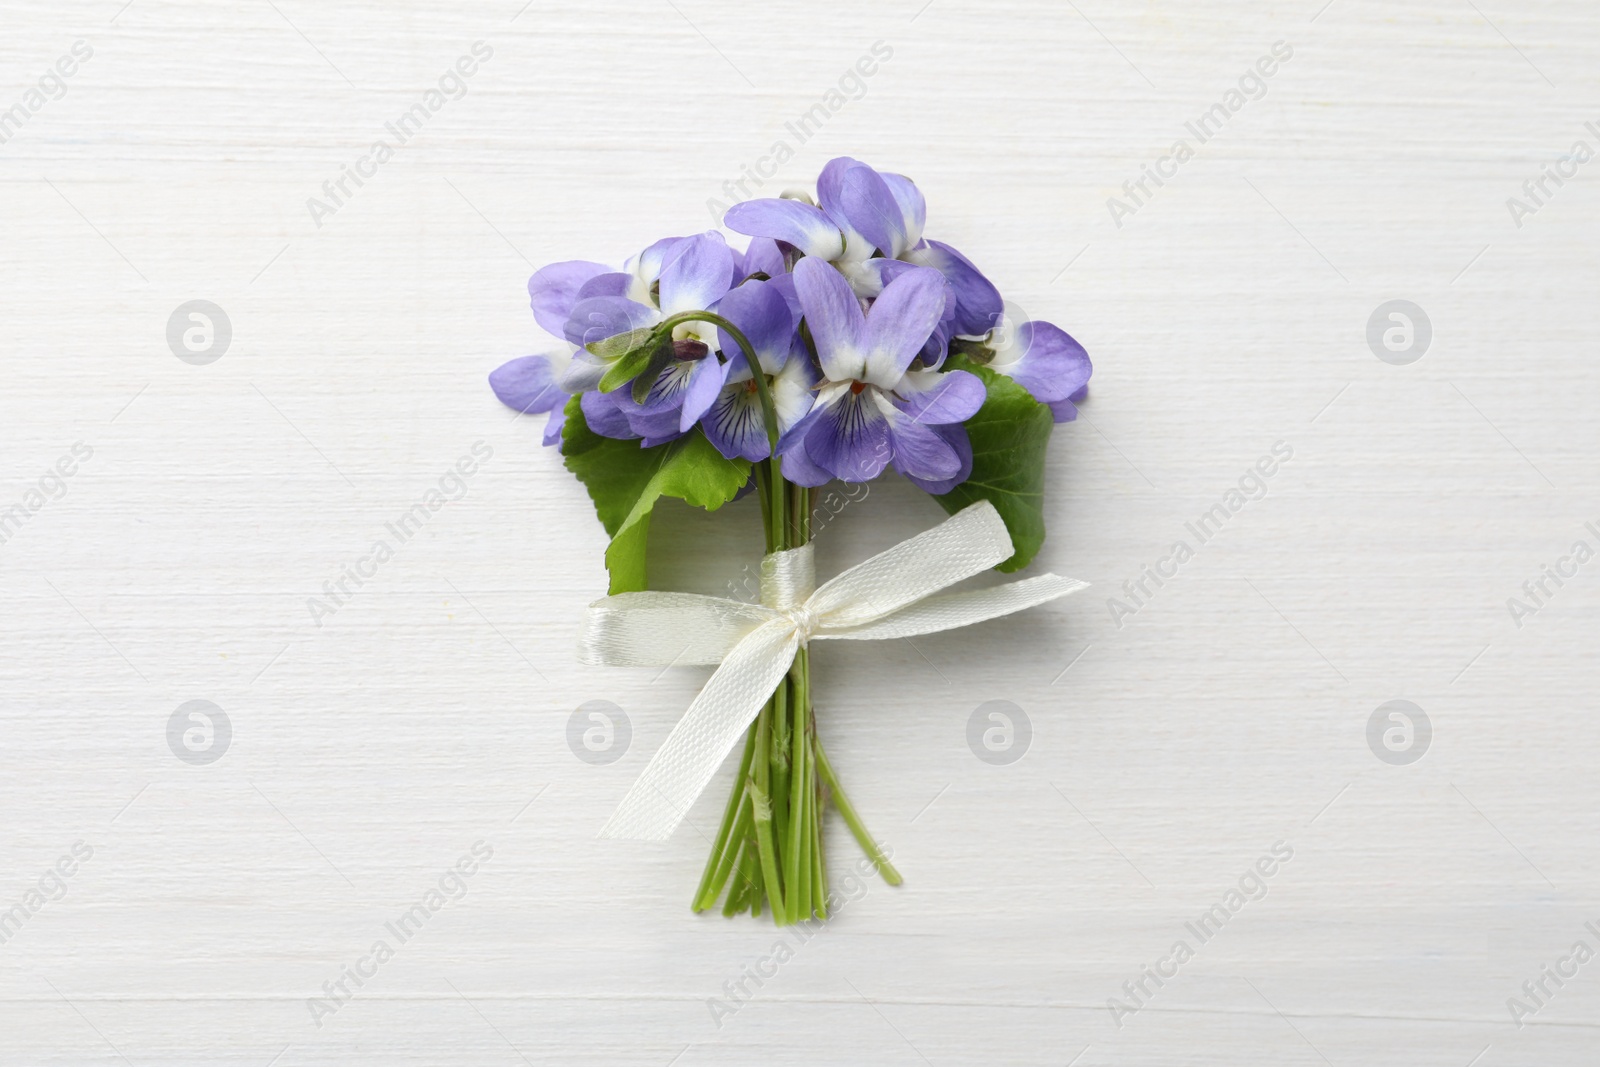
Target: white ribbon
(888,596)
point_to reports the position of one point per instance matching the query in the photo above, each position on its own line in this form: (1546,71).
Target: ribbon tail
(952,610)
(662,629)
(702,739)
(967,543)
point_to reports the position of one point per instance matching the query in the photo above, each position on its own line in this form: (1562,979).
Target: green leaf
(625,481)
(1009,435)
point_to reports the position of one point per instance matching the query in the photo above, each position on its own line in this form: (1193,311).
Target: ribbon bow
(889,596)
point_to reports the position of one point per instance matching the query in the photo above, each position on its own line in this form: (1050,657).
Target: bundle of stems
(768,851)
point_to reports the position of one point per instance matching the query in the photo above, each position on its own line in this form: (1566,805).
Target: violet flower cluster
(851,315)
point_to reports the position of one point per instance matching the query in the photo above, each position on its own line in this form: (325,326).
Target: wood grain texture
(1228,713)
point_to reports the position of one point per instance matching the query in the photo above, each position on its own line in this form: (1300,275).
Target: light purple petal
(792,221)
(734,424)
(611,283)
(937,397)
(761,313)
(874,274)
(919,452)
(955,435)
(552,428)
(584,372)
(602,415)
(1080,395)
(865,199)
(978,303)
(913,208)
(850,437)
(654,424)
(1063,410)
(869,277)
(1045,361)
(834,317)
(706,378)
(798,468)
(763,257)
(600,317)
(938,345)
(784,284)
(647,265)
(794,390)
(527,384)
(666,392)
(554,289)
(830,195)
(899,324)
(830,187)
(698,270)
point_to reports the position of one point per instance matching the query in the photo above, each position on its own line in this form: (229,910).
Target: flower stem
(857,827)
(761,793)
(725,836)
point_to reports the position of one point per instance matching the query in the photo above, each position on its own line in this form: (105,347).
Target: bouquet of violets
(839,343)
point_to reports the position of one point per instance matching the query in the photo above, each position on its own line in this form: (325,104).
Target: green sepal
(621,344)
(659,359)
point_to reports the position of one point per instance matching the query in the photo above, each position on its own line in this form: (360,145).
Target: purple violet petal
(955,435)
(761,313)
(835,319)
(830,187)
(900,322)
(791,221)
(600,317)
(763,257)
(798,468)
(734,424)
(978,304)
(938,397)
(647,265)
(552,428)
(553,290)
(865,199)
(850,438)
(1045,361)
(602,415)
(698,270)
(706,378)
(527,384)
(919,452)
(913,208)
(611,283)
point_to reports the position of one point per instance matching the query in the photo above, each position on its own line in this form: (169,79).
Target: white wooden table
(1173,745)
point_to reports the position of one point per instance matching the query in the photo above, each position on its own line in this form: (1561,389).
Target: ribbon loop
(889,596)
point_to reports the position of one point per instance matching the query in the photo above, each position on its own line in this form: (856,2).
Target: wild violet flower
(529,384)
(735,423)
(695,273)
(871,409)
(1040,357)
(866,218)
